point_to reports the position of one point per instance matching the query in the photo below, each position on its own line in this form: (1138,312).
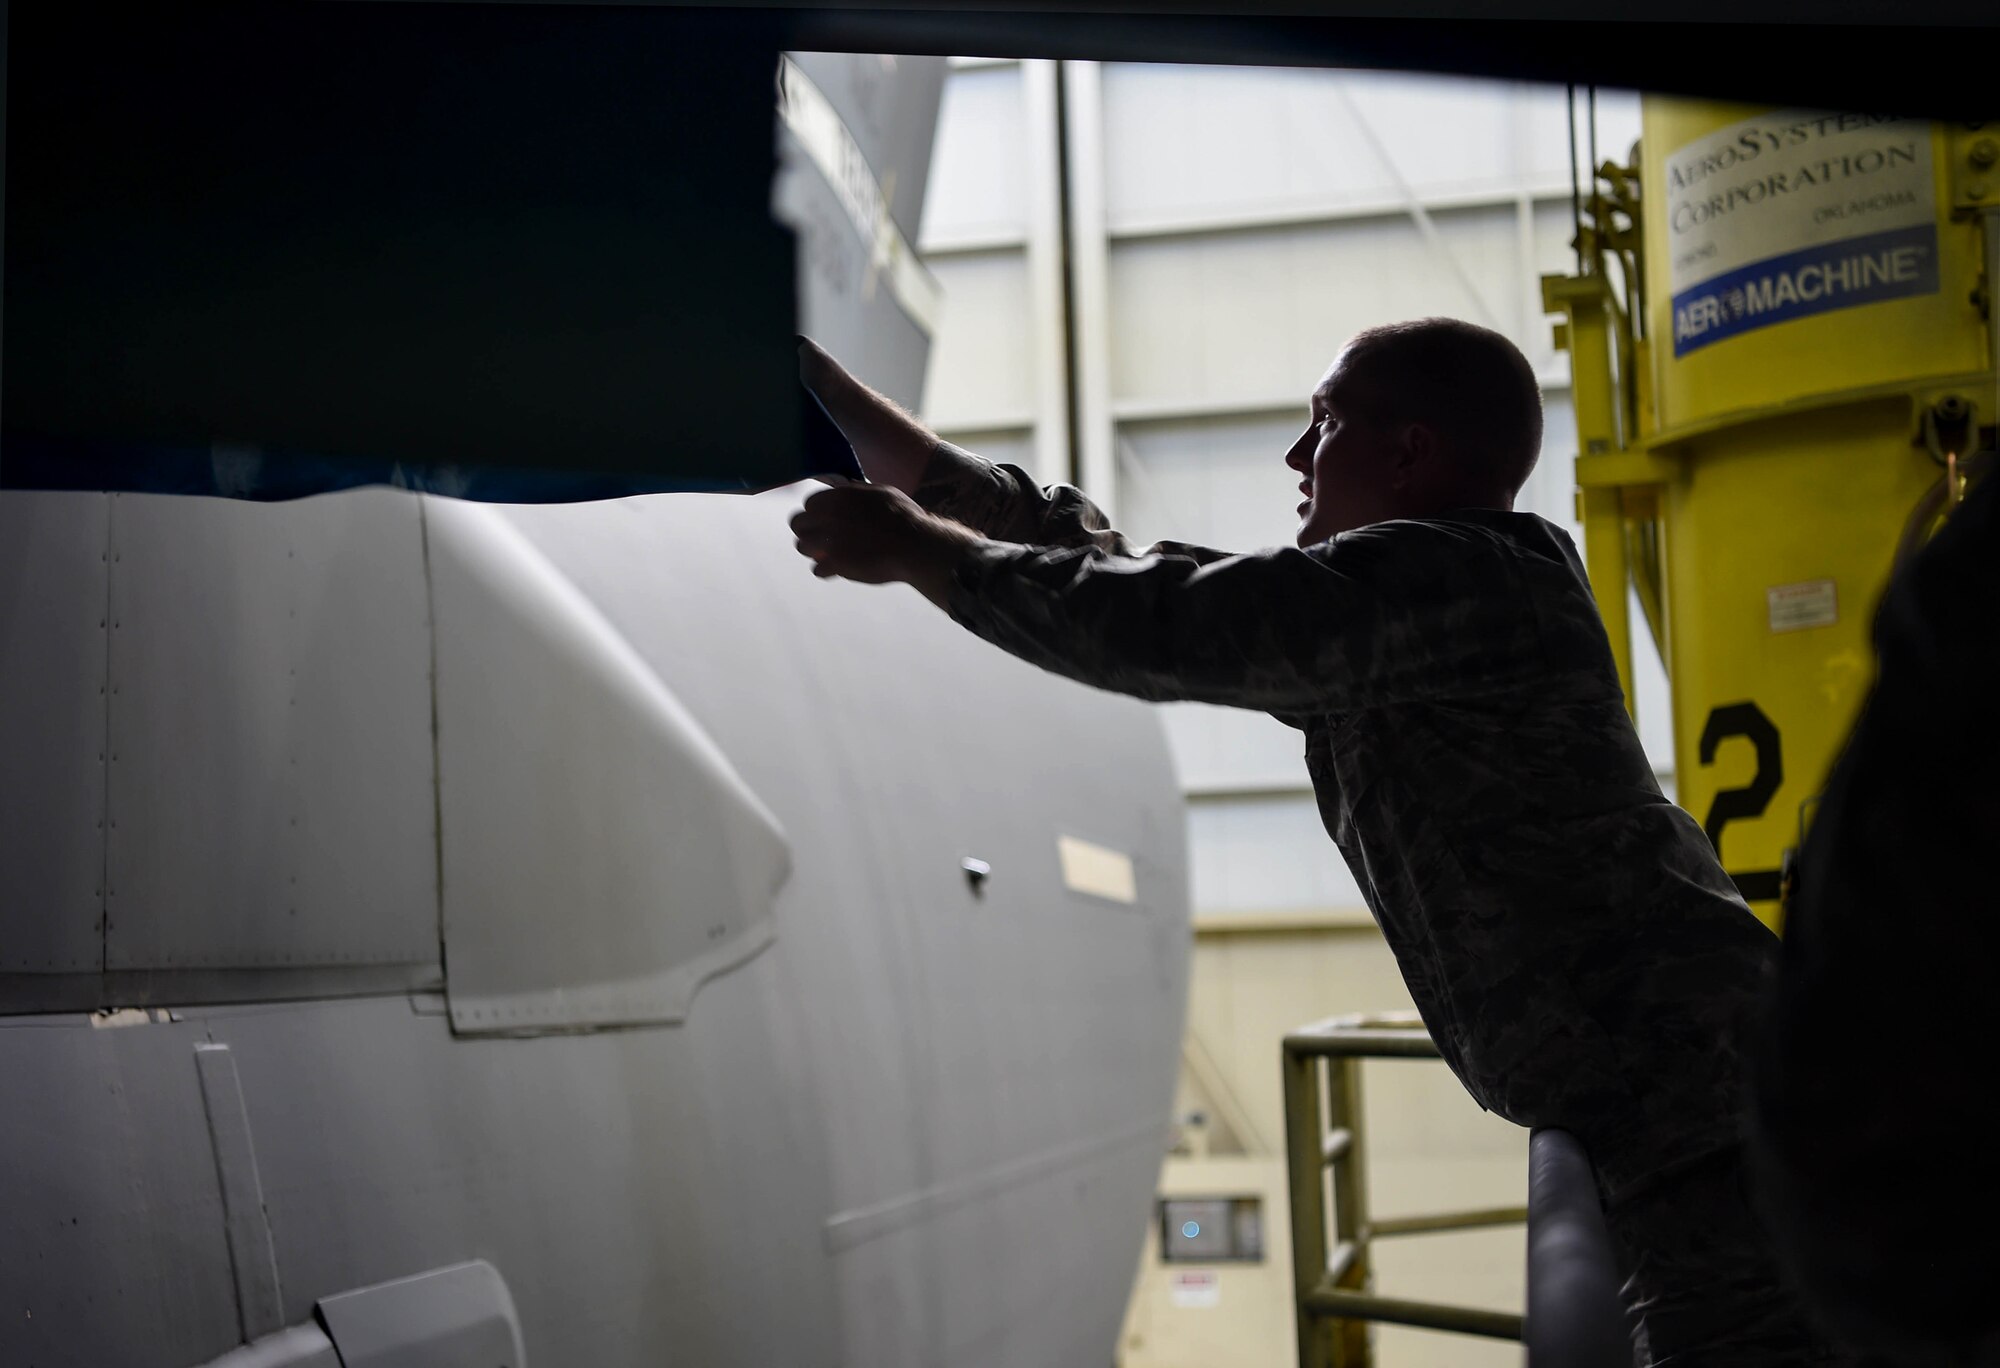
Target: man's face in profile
(1346,456)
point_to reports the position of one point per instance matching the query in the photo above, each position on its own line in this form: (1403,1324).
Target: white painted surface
(1232,749)
(1260,856)
(1215,481)
(457,1317)
(830,700)
(981,369)
(1094,307)
(54,556)
(270,796)
(600,856)
(1009,446)
(979,170)
(991,232)
(1226,141)
(1263,311)
(1045,270)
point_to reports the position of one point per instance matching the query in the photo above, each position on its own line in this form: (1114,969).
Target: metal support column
(1586,334)
(1083,113)
(1306,1173)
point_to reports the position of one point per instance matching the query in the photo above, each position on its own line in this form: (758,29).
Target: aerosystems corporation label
(1794,213)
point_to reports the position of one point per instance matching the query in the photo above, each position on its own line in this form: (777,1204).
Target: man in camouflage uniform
(1578,954)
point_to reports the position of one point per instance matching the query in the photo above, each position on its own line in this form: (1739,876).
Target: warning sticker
(1795,607)
(1095,869)
(1197,1289)
(1797,213)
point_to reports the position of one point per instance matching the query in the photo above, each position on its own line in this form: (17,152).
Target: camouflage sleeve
(1004,503)
(1398,612)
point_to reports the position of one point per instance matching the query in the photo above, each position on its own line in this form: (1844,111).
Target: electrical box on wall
(1211,1229)
(1214,1284)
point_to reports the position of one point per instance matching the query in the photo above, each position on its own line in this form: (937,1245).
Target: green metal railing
(1325,1157)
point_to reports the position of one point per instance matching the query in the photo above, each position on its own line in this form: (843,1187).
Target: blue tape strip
(1815,280)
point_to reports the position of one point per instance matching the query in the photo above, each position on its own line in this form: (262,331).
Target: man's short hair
(1469,384)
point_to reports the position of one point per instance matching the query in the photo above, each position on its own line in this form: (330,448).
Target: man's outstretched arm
(1375,617)
(999,501)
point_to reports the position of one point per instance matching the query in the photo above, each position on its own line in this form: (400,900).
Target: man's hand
(892,447)
(817,370)
(877,535)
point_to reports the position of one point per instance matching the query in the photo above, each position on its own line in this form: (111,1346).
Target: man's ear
(1416,447)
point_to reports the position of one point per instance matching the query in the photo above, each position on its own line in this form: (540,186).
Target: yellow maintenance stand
(1783,362)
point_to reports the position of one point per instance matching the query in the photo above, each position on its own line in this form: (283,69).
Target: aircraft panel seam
(846,1229)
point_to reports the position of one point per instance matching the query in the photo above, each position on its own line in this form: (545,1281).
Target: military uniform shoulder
(1465,533)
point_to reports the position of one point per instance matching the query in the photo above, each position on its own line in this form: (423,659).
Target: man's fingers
(809,519)
(816,512)
(830,507)
(836,524)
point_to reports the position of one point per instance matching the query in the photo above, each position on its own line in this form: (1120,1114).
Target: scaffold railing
(1571,1286)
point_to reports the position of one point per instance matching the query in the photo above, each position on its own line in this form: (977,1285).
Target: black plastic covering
(524,252)
(1873,1109)
(506,252)
(1831,54)
(1574,1316)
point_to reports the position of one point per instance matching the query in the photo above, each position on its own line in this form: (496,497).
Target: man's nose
(1299,458)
